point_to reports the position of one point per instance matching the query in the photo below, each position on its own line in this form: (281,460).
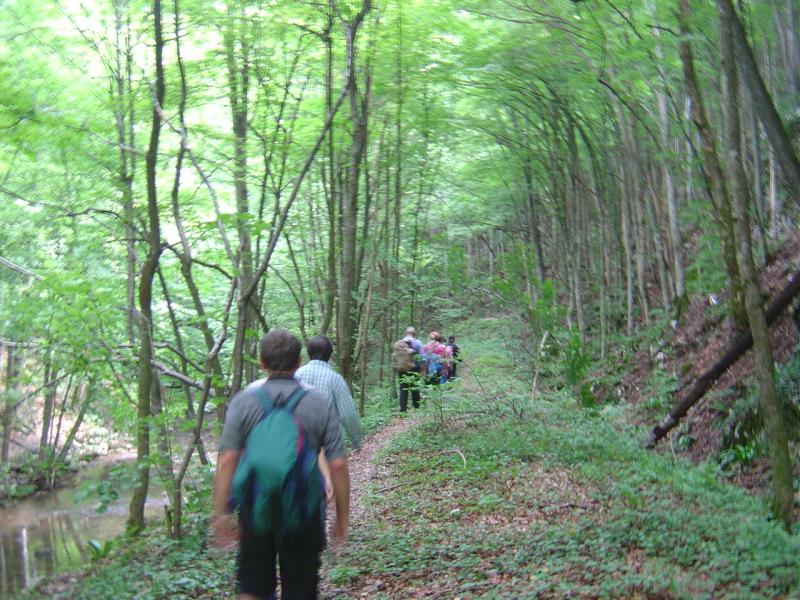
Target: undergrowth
(498,492)
(553,500)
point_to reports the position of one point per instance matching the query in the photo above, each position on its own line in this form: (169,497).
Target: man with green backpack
(268,491)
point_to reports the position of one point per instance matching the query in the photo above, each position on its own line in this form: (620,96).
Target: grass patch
(561,502)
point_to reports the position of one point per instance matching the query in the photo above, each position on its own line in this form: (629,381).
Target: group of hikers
(434,363)
(282,458)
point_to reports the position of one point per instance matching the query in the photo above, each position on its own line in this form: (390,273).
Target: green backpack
(277,487)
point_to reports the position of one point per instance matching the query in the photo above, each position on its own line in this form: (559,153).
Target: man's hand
(224,531)
(328,490)
(224,528)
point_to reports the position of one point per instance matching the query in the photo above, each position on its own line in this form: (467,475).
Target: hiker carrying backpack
(403,356)
(277,487)
(407,363)
(267,472)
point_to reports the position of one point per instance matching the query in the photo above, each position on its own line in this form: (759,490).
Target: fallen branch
(742,344)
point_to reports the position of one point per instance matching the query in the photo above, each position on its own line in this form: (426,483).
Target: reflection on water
(48,534)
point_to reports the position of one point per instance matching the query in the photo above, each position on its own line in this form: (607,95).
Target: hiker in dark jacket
(454,350)
(299,553)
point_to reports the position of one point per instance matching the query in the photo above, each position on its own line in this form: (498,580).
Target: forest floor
(487,493)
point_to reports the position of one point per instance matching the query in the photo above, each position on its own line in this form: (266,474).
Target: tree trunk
(237,52)
(331,197)
(123,100)
(713,169)
(676,240)
(50,375)
(345,326)
(146,375)
(11,384)
(770,404)
(87,389)
(773,125)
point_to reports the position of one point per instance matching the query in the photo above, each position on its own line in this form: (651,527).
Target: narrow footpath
(364,469)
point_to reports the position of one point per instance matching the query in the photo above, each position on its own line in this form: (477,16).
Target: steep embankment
(703,335)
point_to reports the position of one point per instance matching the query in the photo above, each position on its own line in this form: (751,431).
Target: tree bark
(713,169)
(238,67)
(122,97)
(345,325)
(149,266)
(770,404)
(11,383)
(773,124)
(50,375)
(331,197)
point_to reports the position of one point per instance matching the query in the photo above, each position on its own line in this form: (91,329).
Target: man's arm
(226,532)
(325,470)
(346,408)
(340,477)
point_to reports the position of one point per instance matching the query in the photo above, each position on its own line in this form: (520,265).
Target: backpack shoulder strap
(267,403)
(294,399)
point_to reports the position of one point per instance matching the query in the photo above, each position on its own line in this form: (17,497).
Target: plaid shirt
(330,384)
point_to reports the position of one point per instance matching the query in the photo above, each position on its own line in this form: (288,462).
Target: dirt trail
(364,468)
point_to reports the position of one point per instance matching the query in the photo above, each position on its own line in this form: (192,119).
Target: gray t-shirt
(316,413)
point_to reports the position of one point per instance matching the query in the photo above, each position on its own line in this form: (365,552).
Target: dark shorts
(298,557)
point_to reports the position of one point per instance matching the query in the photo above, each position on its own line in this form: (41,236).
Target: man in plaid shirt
(319,374)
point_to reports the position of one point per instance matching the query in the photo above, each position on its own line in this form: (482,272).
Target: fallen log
(741,345)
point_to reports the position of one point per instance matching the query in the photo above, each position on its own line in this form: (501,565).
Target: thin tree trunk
(11,383)
(50,376)
(345,326)
(87,390)
(773,125)
(676,240)
(238,71)
(122,97)
(331,197)
(713,169)
(146,375)
(770,404)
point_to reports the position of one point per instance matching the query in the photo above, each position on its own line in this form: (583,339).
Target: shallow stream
(49,533)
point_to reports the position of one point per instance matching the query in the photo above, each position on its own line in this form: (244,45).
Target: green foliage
(152,567)
(560,503)
(576,360)
(658,392)
(106,489)
(737,455)
(26,474)
(100,550)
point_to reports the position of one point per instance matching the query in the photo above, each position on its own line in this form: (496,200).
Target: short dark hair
(279,350)
(319,348)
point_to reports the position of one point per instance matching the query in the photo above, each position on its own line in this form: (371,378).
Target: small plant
(738,455)
(342,574)
(100,550)
(576,360)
